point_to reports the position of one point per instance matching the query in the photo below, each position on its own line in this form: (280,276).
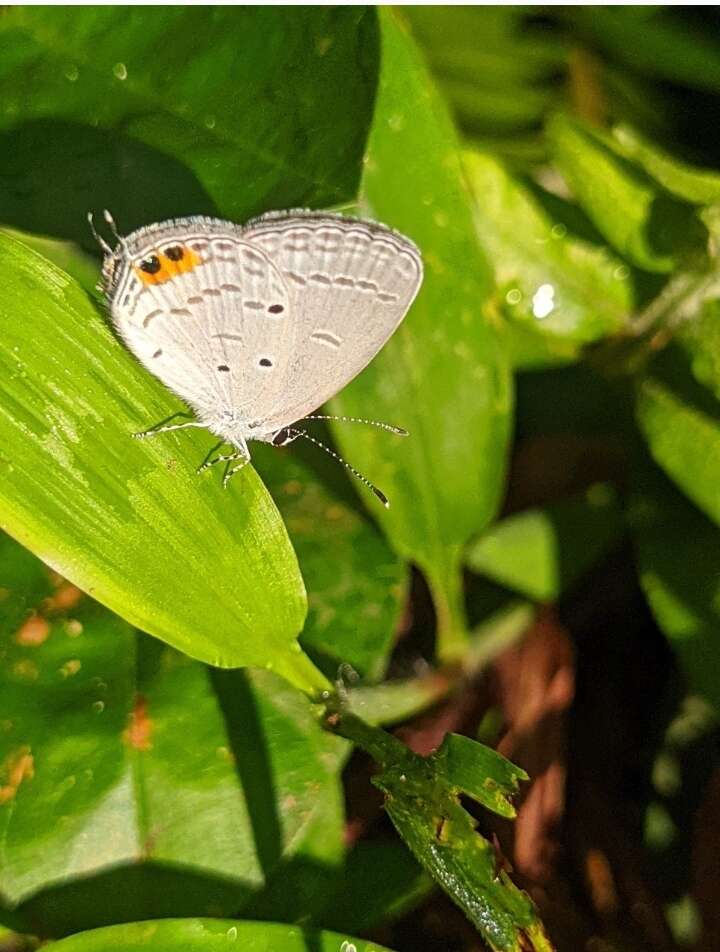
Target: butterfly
(255,326)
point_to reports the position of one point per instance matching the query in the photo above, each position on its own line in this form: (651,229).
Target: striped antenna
(343,462)
(100,240)
(397,430)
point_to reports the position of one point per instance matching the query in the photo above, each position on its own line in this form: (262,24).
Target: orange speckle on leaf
(33,631)
(18,766)
(66,597)
(138,733)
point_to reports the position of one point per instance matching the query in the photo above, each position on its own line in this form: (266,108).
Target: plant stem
(446,587)
(301,673)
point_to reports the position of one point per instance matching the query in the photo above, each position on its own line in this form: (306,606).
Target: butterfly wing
(206,315)
(350,284)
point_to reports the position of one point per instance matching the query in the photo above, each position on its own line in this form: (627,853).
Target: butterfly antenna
(363,479)
(113,228)
(100,240)
(397,430)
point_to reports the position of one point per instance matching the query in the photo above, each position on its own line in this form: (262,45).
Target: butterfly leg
(165,426)
(206,462)
(229,473)
(224,458)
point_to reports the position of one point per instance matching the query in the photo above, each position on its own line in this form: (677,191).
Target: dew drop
(558,231)
(210,122)
(232,933)
(543,302)
(621,272)
(72,74)
(120,71)
(514,296)
(98,706)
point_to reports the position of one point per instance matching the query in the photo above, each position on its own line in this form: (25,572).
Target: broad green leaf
(213,935)
(681,423)
(442,375)
(132,781)
(356,584)
(700,186)
(678,551)
(422,800)
(543,552)
(209,571)
(158,112)
(557,291)
(66,255)
(639,218)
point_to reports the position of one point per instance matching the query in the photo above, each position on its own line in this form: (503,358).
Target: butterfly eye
(150,265)
(175,253)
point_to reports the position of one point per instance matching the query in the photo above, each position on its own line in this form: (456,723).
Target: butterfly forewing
(215,332)
(350,284)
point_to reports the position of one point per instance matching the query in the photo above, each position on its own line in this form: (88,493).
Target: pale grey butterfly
(256,326)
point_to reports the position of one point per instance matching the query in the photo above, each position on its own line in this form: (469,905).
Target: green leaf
(356,584)
(642,221)
(681,424)
(422,800)
(66,255)
(679,565)
(558,292)
(209,571)
(442,375)
(161,112)
(498,73)
(699,339)
(213,935)
(700,186)
(160,788)
(543,552)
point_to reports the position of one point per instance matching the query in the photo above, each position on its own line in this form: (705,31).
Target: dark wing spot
(150,265)
(265,362)
(224,368)
(151,316)
(276,309)
(175,253)
(157,353)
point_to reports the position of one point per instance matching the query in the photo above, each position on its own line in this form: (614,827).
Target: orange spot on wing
(170,269)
